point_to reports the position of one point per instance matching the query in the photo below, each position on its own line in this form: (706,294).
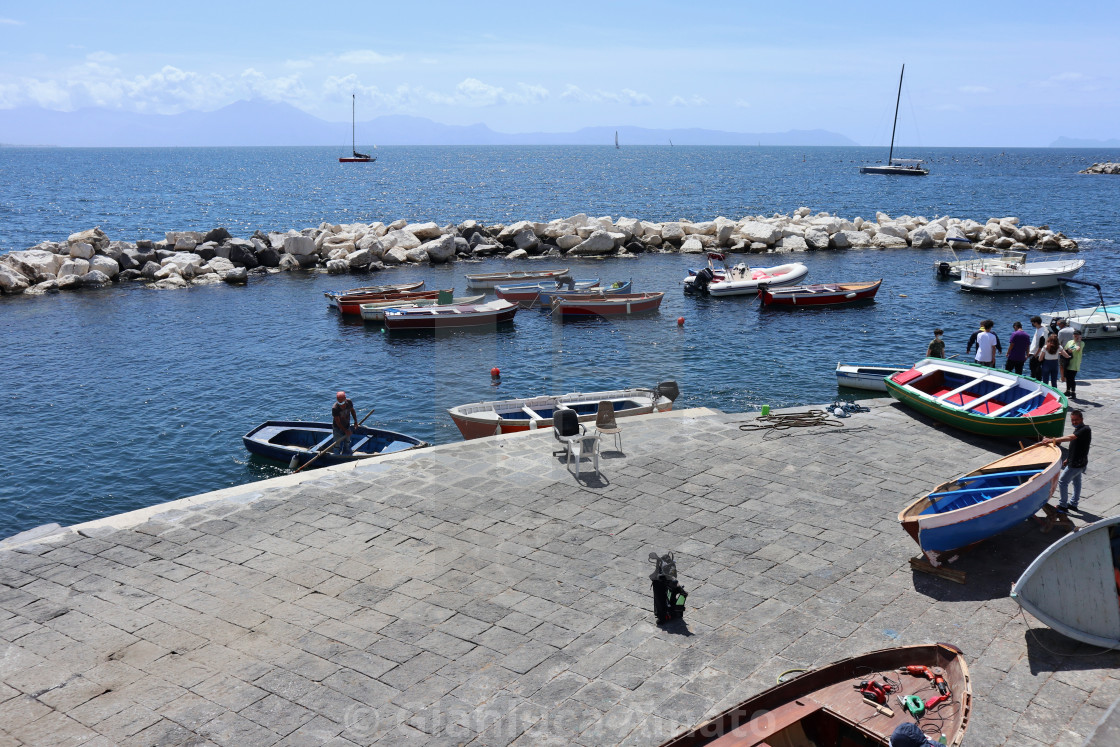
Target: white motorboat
(869,376)
(1094,322)
(739,280)
(952,268)
(1006,275)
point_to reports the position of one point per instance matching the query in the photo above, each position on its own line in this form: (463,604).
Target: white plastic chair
(579,448)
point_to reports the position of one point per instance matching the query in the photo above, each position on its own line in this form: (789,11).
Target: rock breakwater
(1102,168)
(185,258)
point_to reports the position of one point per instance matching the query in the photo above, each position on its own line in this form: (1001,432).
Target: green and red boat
(979,399)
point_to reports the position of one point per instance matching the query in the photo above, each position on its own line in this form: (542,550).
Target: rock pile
(185,258)
(1102,168)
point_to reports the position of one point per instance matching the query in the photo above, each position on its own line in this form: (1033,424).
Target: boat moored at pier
(283,440)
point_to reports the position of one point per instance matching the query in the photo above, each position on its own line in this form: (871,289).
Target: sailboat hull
(356,160)
(893,171)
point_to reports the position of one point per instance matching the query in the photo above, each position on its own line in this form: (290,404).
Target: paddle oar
(324,451)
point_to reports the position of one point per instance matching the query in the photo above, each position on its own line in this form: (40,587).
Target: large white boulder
(182,260)
(792,244)
(855,239)
(220,265)
(651,229)
(568,242)
(517,254)
(885,240)
(417,254)
(920,238)
(104,264)
(395,256)
(757,231)
(598,243)
(288,263)
(47,286)
(185,244)
(724,230)
(692,245)
(672,231)
(816,238)
(632,227)
(440,250)
(96,278)
(172,282)
(37,265)
(77,267)
(400,239)
(95,237)
(358,260)
(337,267)
(526,240)
(893,229)
(81,250)
(424,231)
(298,246)
(11,280)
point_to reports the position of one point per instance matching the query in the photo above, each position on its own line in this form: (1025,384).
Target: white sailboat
(897,166)
(357,157)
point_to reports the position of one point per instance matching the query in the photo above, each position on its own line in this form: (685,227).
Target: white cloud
(475,93)
(10,22)
(626,96)
(690,101)
(974,89)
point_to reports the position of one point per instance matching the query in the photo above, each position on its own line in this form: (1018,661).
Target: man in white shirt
(1038,339)
(986,345)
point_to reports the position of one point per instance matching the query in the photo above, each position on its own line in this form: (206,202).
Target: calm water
(125,397)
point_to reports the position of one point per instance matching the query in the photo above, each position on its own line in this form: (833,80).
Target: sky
(977,73)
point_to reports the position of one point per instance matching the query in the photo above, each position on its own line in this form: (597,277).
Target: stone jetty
(182,258)
(477,593)
(1102,168)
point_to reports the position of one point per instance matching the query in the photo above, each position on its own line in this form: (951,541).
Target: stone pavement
(476,593)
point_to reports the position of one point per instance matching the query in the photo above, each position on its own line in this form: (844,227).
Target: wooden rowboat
(867,376)
(444,317)
(978,399)
(1072,585)
(530,294)
(375,289)
(481,419)
(352,305)
(493,279)
(280,440)
(983,502)
(375,312)
(822,294)
(825,706)
(605,304)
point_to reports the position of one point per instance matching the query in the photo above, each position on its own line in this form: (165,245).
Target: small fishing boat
(281,440)
(867,376)
(1072,585)
(1012,272)
(821,294)
(616,288)
(978,399)
(844,703)
(897,166)
(375,312)
(605,304)
(352,305)
(446,317)
(356,157)
(741,279)
(493,279)
(1094,322)
(375,289)
(481,419)
(983,502)
(530,294)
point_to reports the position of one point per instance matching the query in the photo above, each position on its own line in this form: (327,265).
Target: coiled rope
(786,420)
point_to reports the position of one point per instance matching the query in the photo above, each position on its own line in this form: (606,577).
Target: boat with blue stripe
(984,502)
(283,440)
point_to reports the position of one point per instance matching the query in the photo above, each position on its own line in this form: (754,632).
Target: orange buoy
(680,321)
(495,373)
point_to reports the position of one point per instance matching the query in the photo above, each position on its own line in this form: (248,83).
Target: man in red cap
(341,412)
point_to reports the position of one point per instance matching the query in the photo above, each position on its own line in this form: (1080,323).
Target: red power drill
(933,675)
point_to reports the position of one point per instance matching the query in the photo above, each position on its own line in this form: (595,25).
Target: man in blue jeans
(1077,459)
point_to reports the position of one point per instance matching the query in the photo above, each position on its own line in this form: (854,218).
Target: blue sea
(121,398)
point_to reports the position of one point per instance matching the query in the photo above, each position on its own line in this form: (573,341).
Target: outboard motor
(668,595)
(943,270)
(667,389)
(703,279)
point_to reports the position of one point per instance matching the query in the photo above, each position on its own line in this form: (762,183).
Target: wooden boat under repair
(481,419)
(826,706)
(494,279)
(984,502)
(1072,586)
(979,399)
(281,440)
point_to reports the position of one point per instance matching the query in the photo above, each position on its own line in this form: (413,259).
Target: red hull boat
(352,305)
(821,294)
(606,305)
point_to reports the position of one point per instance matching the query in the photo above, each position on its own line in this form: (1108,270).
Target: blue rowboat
(281,440)
(984,502)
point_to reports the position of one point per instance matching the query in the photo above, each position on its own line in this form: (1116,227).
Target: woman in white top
(1050,354)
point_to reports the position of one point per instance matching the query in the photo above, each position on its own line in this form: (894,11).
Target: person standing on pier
(1076,461)
(1065,335)
(1049,355)
(1038,340)
(986,345)
(936,347)
(341,413)
(1017,348)
(1075,348)
(985,326)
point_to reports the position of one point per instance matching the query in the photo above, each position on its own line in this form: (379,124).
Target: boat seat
(1014,473)
(1010,405)
(907,376)
(324,443)
(983,399)
(1050,405)
(533,415)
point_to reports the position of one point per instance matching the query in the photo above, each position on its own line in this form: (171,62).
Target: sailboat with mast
(897,166)
(357,157)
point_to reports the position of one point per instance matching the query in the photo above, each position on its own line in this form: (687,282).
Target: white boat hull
(869,377)
(1026,277)
(1094,323)
(747,283)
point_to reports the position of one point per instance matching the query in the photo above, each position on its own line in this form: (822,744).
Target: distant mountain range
(270,123)
(1077,142)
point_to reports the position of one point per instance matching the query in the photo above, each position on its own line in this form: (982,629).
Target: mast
(354,138)
(890,156)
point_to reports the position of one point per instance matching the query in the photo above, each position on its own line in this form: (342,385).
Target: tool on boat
(935,675)
(886,711)
(668,595)
(913,705)
(872,690)
(324,451)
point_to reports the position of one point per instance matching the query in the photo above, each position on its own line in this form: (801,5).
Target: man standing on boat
(341,413)
(1038,340)
(1077,459)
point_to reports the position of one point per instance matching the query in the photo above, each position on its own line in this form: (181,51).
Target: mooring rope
(786,420)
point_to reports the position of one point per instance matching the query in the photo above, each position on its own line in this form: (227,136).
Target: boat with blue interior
(296,442)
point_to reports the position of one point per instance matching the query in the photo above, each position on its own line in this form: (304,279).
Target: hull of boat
(614,289)
(1094,323)
(982,400)
(892,171)
(826,702)
(1029,276)
(1071,586)
(352,305)
(482,419)
(985,502)
(825,294)
(531,294)
(622,305)
(375,312)
(280,440)
(375,289)
(772,277)
(450,317)
(494,279)
(356,160)
(869,377)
